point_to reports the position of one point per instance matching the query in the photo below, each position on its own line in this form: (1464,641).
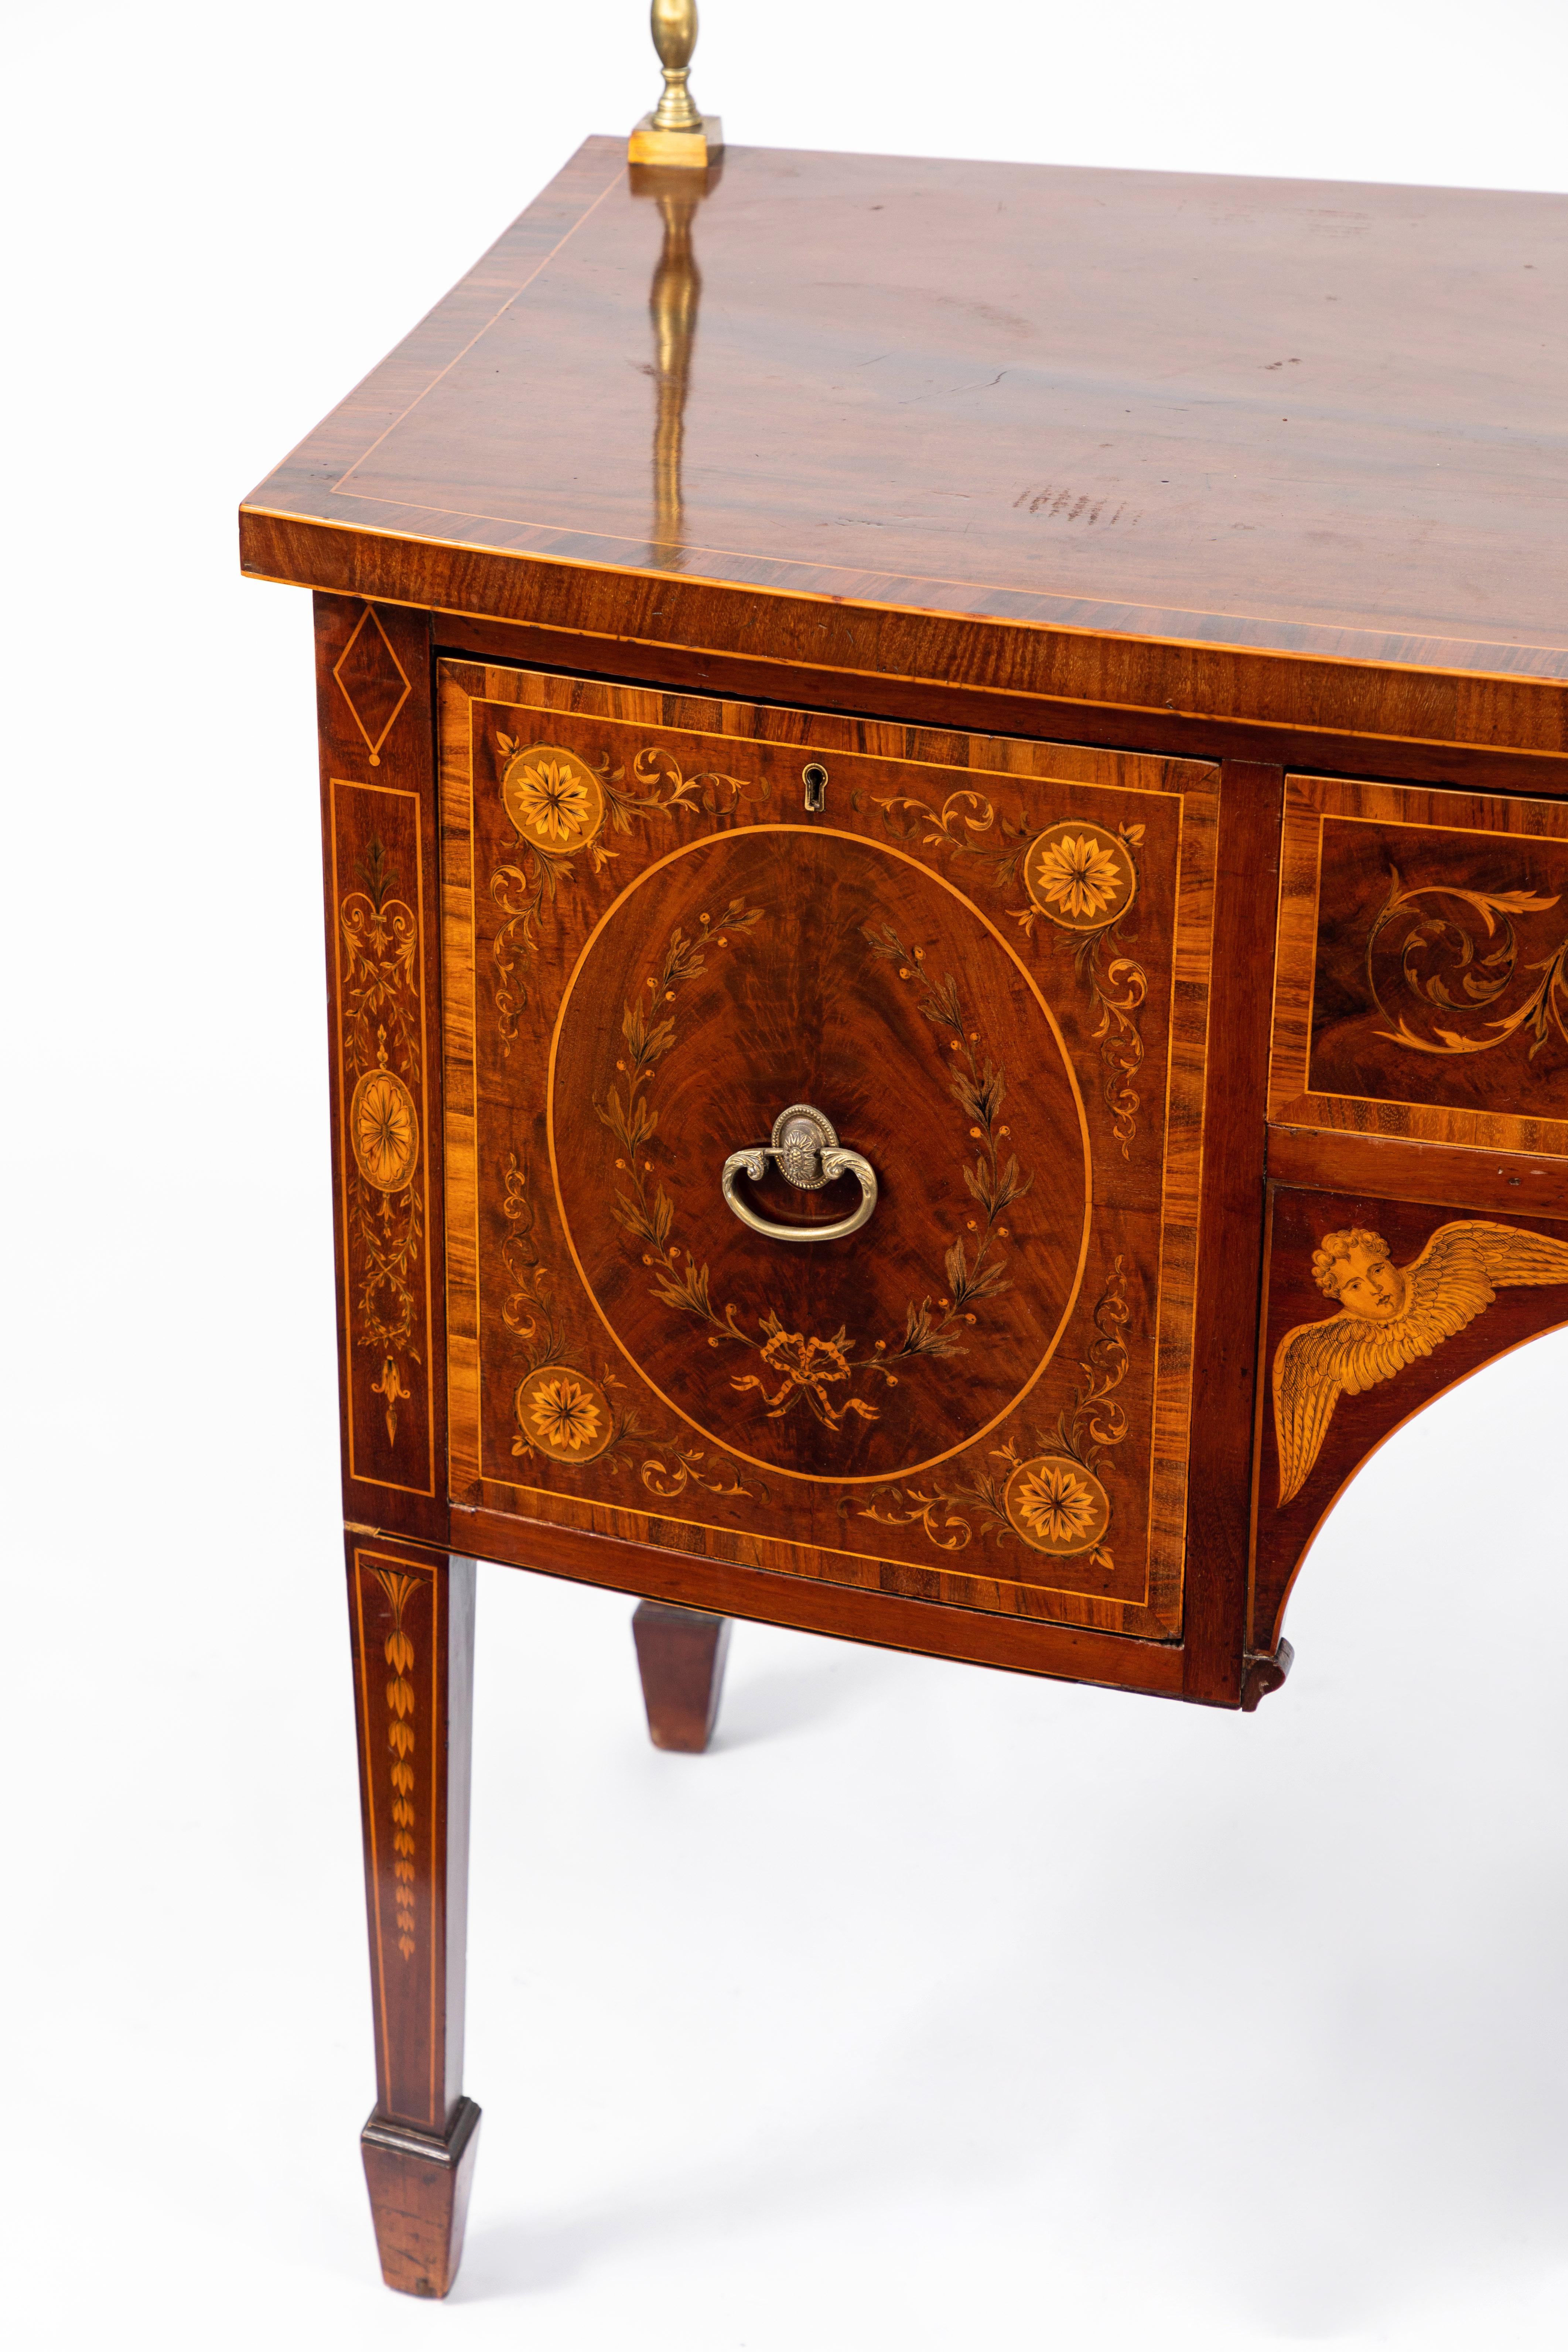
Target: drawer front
(984,964)
(1422,978)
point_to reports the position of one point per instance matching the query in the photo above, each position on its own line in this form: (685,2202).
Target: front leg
(411,1617)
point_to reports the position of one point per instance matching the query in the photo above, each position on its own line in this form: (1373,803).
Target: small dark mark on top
(1069,506)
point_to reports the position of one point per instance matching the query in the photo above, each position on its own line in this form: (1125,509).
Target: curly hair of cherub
(1328,1262)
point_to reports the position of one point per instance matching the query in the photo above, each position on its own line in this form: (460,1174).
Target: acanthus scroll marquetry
(649,951)
(1422,987)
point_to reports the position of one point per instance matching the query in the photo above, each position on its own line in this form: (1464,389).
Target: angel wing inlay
(1390,1315)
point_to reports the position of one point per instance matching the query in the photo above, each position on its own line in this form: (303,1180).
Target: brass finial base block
(675,133)
(694,149)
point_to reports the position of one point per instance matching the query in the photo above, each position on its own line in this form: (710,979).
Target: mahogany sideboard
(945,801)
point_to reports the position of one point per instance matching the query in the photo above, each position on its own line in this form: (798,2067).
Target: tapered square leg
(419,2199)
(681,1656)
(411,1618)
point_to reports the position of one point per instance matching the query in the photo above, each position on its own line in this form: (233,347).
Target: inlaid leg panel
(411,1619)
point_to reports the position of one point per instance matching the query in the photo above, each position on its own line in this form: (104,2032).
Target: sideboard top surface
(1296,418)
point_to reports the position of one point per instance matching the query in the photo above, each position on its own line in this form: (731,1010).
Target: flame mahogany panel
(803,1007)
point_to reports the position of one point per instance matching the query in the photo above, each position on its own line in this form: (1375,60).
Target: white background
(934,2007)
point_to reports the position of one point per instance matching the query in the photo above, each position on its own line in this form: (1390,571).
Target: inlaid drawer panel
(983,965)
(1420,988)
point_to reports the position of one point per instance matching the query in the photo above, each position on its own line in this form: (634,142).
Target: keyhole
(814,778)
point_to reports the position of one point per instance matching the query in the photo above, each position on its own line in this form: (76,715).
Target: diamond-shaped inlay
(371,681)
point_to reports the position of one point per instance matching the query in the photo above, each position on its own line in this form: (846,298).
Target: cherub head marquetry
(1354,1269)
(1389,1315)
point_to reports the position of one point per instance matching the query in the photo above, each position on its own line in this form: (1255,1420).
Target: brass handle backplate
(809,1154)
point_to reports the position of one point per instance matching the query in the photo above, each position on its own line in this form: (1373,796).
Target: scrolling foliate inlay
(1082,878)
(566,1413)
(798,1367)
(561,808)
(1420,948)
(1051,1497)
(383,1050)
(1389,1317)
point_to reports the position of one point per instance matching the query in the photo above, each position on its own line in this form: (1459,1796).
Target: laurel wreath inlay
(820,1371)
(1083,879)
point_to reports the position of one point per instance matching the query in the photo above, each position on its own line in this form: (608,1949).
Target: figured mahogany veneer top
(1293,416)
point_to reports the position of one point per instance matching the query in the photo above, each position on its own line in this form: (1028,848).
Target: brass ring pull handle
(809,1155)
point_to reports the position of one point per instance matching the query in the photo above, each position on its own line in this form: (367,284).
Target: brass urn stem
(673,25)
(676,132)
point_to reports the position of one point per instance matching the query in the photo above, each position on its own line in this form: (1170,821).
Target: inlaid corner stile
(378,821)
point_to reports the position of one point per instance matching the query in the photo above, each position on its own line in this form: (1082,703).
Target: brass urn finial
(675,132)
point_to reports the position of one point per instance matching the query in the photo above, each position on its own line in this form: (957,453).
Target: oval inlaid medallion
(784,964)
(552,798)
(1080,875)
(1057,1505)
(383,1130)
(563,1412)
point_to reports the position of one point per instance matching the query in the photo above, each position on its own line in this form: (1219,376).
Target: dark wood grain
(681,1661)
(1393,1168)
